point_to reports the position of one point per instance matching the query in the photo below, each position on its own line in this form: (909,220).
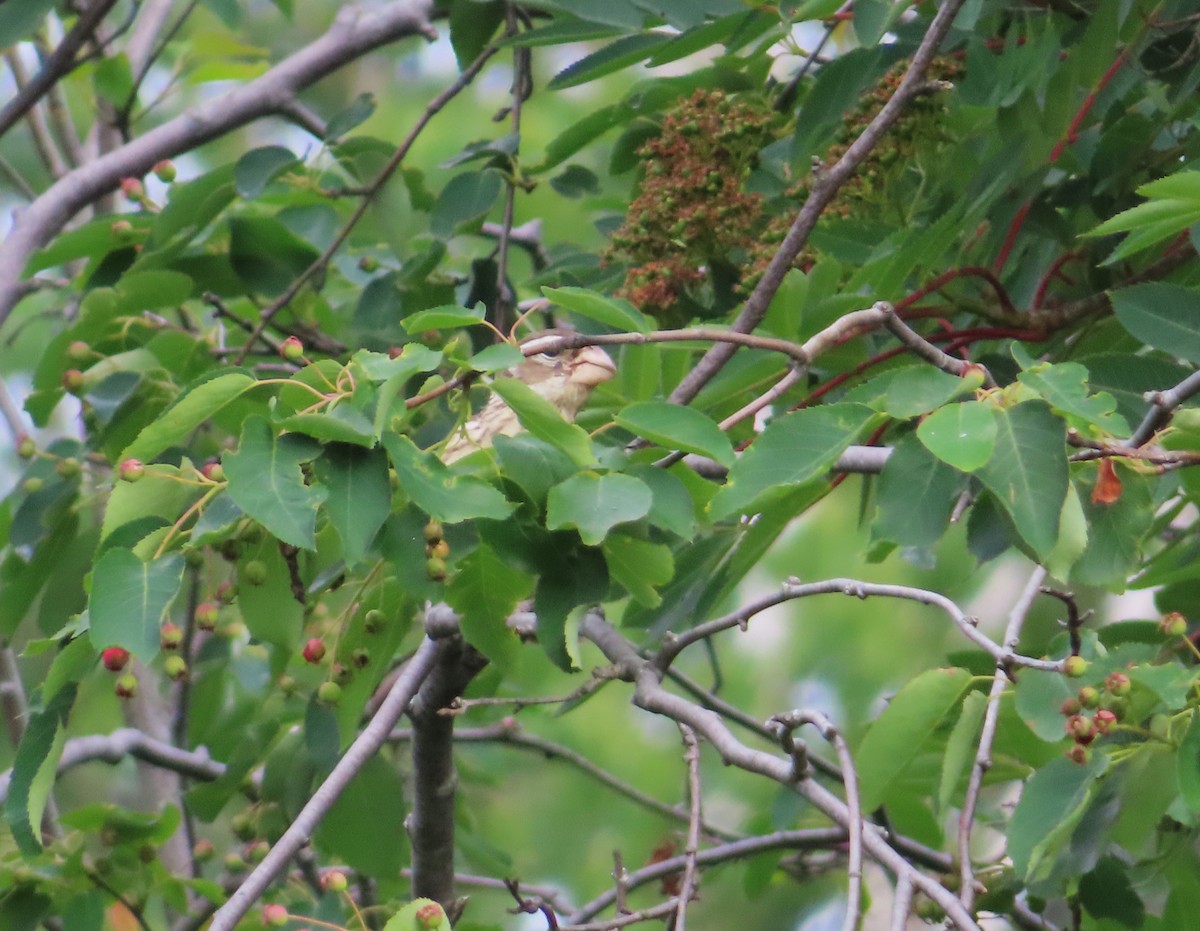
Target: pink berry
(131,470)
(115,658)
(314,650)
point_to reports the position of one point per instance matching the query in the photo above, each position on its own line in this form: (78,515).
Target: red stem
(968,271)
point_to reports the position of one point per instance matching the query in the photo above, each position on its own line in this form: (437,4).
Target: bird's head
(564,377)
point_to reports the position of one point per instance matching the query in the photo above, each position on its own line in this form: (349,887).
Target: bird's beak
(592,366)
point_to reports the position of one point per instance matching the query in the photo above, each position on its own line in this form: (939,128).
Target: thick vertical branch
(435,782)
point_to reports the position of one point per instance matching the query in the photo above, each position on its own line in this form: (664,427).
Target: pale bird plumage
(565,378)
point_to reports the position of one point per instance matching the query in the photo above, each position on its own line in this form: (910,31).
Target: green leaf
(794,449)
(466,199)
(1107,892)
(1052,803)
(916,496)
(259,167)
(362,832)
(919,389)
(191,206)
(34,769)
(18,20)
(1064,387)
(266,255)
(639,566)
(1115,531)
(359,110)
(159,493)
(893,740)
(439,492)
(129,598)
(594,504)
(618,314)
(442,318)
(268,606)
(406,918)
(195,405)
(960,748)
(961,435)
(496,358)
(1028,472)
(543,420)
(673,509)
(579,134)
(360,495)
(1165,316)
(265,481)
(472,25)
(675,426)
(628,50)
(573,579)
(340,424)
(534,465)
(1189,764)
(114,79)
(484,590)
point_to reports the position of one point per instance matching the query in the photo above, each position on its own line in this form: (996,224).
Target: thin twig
(923,349)
(431,110)
(991,717)
(691,849)
(652,697)
(673,645)
(784,725)
(43,140)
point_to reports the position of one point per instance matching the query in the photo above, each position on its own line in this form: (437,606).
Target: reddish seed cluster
(1107,707)
(690,208)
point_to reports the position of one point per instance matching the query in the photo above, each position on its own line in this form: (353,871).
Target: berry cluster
(1094,712)
(690,209)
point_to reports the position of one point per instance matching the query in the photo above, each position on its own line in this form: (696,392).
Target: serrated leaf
(265,481)
(439,492)
(625,51)
(442,318)
(1064,387)
(594,504)
(676,426)
(919,389)
(533,464)
(543,420)
(196,404)
(1028,472)
(961,435)
(1165,316)
(793,449)
(893,740)
(341,424)
(1052,802)
(640,566)
(484,590)
(34,769)
(360,495)
(618,314)
(129,598)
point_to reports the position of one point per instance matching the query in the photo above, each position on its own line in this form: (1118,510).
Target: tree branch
(362,749)
(823,190)
(353,33)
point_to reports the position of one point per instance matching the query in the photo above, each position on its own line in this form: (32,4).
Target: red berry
(1104,720)
(314,650)
(1117,683)
(1070,706)
(115,658)
(292,349)
(430,916)
(274,915)
(1079,754)
(213,471)
(131,470)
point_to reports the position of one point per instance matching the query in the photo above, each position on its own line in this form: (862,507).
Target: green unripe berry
(255,572)
(1075,666)
(329,693)
(68,468)
(374,621)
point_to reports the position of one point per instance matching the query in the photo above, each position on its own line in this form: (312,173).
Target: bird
(564,377)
